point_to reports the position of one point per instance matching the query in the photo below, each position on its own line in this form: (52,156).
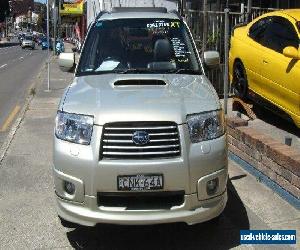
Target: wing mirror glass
(212,59)
(66,61)
(291,52)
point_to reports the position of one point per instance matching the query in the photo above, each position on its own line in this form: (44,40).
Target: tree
(4,9)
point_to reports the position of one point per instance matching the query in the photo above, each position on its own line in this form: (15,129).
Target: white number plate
(140,182)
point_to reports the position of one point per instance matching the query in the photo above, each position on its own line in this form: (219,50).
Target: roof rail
(139,9)
(176,13)
(100,14)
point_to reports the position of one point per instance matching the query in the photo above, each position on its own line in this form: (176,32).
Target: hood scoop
(140,82)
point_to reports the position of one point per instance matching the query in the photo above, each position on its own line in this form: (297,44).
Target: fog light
(69,187)
(212,186)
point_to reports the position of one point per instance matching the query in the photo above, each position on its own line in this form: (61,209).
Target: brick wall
(277,161)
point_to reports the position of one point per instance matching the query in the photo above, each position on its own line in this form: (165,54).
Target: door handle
(265,62)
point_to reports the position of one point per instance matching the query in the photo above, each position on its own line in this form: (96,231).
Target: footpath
(28,216)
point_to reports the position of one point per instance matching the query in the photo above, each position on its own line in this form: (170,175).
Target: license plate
(140,182)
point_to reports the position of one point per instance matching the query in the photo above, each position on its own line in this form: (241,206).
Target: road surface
(18,70)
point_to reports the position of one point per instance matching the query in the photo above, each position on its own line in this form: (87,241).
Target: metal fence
(215,35)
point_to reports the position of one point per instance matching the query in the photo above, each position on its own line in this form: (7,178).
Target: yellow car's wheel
(240,83)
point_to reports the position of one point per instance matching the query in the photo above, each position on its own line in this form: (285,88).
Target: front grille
(141,201)
(117,140)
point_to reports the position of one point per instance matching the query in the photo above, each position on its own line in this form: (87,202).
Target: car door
(281,74)
(254,51)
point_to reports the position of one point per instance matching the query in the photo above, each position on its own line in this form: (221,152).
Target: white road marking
(58,79)
(4,65)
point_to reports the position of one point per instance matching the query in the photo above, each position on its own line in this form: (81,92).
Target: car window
(298,25)
(280,34)
(257,30)
(153,45)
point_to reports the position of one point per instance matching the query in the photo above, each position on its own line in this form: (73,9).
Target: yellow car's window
(275,33)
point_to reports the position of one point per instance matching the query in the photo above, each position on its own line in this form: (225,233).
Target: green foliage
(4,9)
(41,22)
(212,39)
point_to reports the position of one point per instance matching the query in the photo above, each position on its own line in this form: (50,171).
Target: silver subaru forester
(140,135)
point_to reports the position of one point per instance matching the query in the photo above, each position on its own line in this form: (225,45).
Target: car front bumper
(190,212)
(189,173)
(28,45)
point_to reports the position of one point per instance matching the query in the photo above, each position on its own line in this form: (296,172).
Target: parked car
(140,134)
(21,37)
(28,42)
(264,62)
(45,44)
(40,40)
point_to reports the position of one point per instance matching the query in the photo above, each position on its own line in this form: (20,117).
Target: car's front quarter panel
(247,51)
(79,161)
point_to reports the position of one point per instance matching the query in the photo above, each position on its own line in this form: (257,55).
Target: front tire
(240,82)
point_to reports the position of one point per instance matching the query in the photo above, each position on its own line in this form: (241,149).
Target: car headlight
(206,126)
(74,128)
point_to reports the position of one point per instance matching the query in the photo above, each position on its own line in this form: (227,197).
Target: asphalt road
(18,70)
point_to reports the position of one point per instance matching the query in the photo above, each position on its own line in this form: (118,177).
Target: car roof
(140,13)
(294,13)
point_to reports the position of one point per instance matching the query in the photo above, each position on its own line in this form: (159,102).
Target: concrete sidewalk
(27,204)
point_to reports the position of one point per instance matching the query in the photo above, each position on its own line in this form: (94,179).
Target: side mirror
(291,52)
(66,61)
(211,59)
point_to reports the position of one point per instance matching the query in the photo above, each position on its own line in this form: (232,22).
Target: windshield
(138,46)
(28,37)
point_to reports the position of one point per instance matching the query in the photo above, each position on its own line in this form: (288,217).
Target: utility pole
(6,27)
(226,59)
(249,7)
(48,52)
(184,7)
(54,11)
(204,37)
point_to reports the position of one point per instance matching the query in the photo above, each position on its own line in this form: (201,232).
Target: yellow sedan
(264,61)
